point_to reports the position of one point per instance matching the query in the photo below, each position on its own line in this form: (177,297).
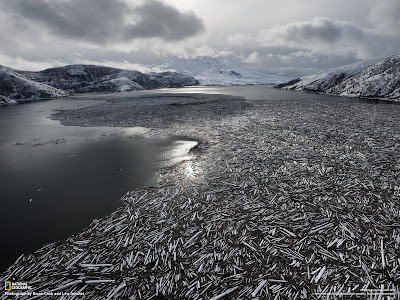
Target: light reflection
(179,152)
(189,170)
(133,131)
(192,173)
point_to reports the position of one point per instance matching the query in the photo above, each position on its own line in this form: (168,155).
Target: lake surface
(54,179)
(267,92)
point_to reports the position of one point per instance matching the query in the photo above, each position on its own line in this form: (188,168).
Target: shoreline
(360,98)
(284,199)
(124,94)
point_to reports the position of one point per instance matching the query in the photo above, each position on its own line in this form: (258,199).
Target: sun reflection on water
(179,152)
(189,170)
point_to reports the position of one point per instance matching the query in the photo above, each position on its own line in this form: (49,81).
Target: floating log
(284,200)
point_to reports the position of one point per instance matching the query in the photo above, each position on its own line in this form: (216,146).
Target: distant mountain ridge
(367,79)
(17,85)
(219,71)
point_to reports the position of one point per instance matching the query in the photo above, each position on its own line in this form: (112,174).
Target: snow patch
(126,84)
(6,101)
(77,70)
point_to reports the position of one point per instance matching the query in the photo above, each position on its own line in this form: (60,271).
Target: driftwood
(284,200)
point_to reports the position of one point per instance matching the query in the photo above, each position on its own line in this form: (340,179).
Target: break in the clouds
(284,37)
(103,21)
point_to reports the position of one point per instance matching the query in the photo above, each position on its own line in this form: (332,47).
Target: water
(267,92)
(54,179)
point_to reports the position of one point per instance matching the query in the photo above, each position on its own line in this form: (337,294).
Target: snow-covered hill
(369,79)
(382,80)
(63,81)
(322,81)
(219,71)
(15,86)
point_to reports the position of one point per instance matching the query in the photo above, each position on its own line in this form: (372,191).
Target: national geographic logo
(8,286)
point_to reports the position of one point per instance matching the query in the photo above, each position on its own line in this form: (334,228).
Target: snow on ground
(324,80)
(77,70)
(126,84)
(369,79)
(6,101)
(63,81)
(395,94)
(381,80)
(18,87)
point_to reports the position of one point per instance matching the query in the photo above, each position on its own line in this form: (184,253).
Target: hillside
(327,79)
(63,81)
(369,79)
(219,71)
(381,80)
(16,86)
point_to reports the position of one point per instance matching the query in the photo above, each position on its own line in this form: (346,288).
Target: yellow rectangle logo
(7,285)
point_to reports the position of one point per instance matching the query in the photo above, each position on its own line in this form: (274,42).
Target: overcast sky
(287,37)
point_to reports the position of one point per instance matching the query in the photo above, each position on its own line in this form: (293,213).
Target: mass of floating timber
(283,200)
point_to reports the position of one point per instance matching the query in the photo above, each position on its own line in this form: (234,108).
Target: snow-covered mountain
(382,80)
(16,86)
(369,79)
(322,81)
(58,82)
(219,71)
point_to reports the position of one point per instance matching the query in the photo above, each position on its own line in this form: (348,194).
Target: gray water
(54,179)
(267,92)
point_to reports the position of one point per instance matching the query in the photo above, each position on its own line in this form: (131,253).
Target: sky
(285,37)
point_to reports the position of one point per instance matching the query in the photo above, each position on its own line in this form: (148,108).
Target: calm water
(54,179)
(263,92)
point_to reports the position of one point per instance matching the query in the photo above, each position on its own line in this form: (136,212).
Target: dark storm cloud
(164,21)
(320,29)
(320,36)
(323,30)
(91,20)
(105,21)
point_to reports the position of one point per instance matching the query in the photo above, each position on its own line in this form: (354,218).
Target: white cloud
(254,57)
(240,40)
(36,65)
(385,18)
(28,65)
